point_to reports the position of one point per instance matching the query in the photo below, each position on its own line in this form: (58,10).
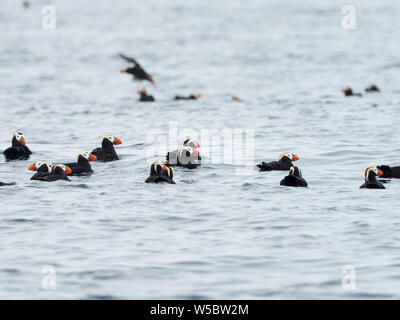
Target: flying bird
(137,71)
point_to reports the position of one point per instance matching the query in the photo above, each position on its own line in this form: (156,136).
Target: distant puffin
(294,179)
(372,88)
(370,179)
(58,172)
(4,184)
(160,172)
(389,172)
(144,97)
(42,169)
(184,157)
(18,150)
(137,71)
(191,96)
(107,151)
(349,92)
(284,162)
(82,164)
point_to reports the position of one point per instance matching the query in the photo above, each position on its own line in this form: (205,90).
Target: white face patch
(86,155)
(190,143)
(63,167)
(41,163)
(111,138)
(287,154)
(18,136)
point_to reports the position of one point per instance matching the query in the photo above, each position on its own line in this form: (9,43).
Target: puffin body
(3,184)
(137,71)
(184,157)
(58,172)
(18,149)
(144,97)
(370,179)
(42,169)
(107,151)
(284,163)
(159,172)
(294,179)
(349,92)
(372,88)
(191,96)
(389,172)
(82,164)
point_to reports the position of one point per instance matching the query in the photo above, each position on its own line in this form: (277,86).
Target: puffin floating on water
(192,96)
(42,169)
(372,88)
(389,172)
(58,172)
(18,149)
(137,71)
(160,172)
(349,92)
(370,179)
(82,164)
(185,156)
(294,179)
(107,151)
(285,162)
(144,97)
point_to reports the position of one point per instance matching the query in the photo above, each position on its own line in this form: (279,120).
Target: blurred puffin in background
(137,71)
(18,149)
(349,92)
(372,88)
(144,97)
(192,96)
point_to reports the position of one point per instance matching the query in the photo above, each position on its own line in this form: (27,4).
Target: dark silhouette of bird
(160,172)
(348,92)
(372,88)
(144,97)
(294,179)
(136,70)
(370,179)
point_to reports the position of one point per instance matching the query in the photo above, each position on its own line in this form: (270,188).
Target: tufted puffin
(390,172)
(4,184)
(349,92)
(159,172)
(82,164)
(137,71)
(144,96)
(370,179)
(191,96)
(58,172)
(18,150)
(42,169)
(294,179)
(372,88)
(107,151)
(184,157)
(284,163)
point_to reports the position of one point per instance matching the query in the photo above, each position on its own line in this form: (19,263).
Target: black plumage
(107,151)
(285,162)
(137,71)
(370,179)
(160,172)
(372,88)
(82,164)
(389,172)
(58,172)
(42,169)
(348,92)
(18,149)
(4,184)
(144,97)
(294,179)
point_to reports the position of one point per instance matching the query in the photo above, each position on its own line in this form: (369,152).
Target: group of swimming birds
(187,156)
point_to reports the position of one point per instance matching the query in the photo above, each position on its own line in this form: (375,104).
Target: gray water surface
(215,234)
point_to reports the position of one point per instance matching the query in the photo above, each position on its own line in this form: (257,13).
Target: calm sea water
(215,234)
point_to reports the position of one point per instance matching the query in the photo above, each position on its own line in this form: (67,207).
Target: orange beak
(199,95)
(164,167)
(342,90)
(196,152)
(23,142)
(151,80)
(68,170)
(117,141)
(197,145)
(380,173)
(32,167)
(295,157)
(92,157)
(121,71)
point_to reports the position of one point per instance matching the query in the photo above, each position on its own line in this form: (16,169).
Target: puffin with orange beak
(192,96)
(349,92)
(58,172)
(82,164)
(18,149)
(285,162)
(172,156)
(160,172)
(144,97)
(42,169)
(389,172)
(137,71)
(370,179)
(107,151)
(186,157)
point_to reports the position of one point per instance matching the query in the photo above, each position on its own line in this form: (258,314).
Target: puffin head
(371,173)
(61,169)
(112,139)
(156,168)
(142,91)
(347,91)
(169,172)
(86,155)
(187,154)
(18,139)
(191,143)
(40,166)
(195,95)
(295,171)
(288,155)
